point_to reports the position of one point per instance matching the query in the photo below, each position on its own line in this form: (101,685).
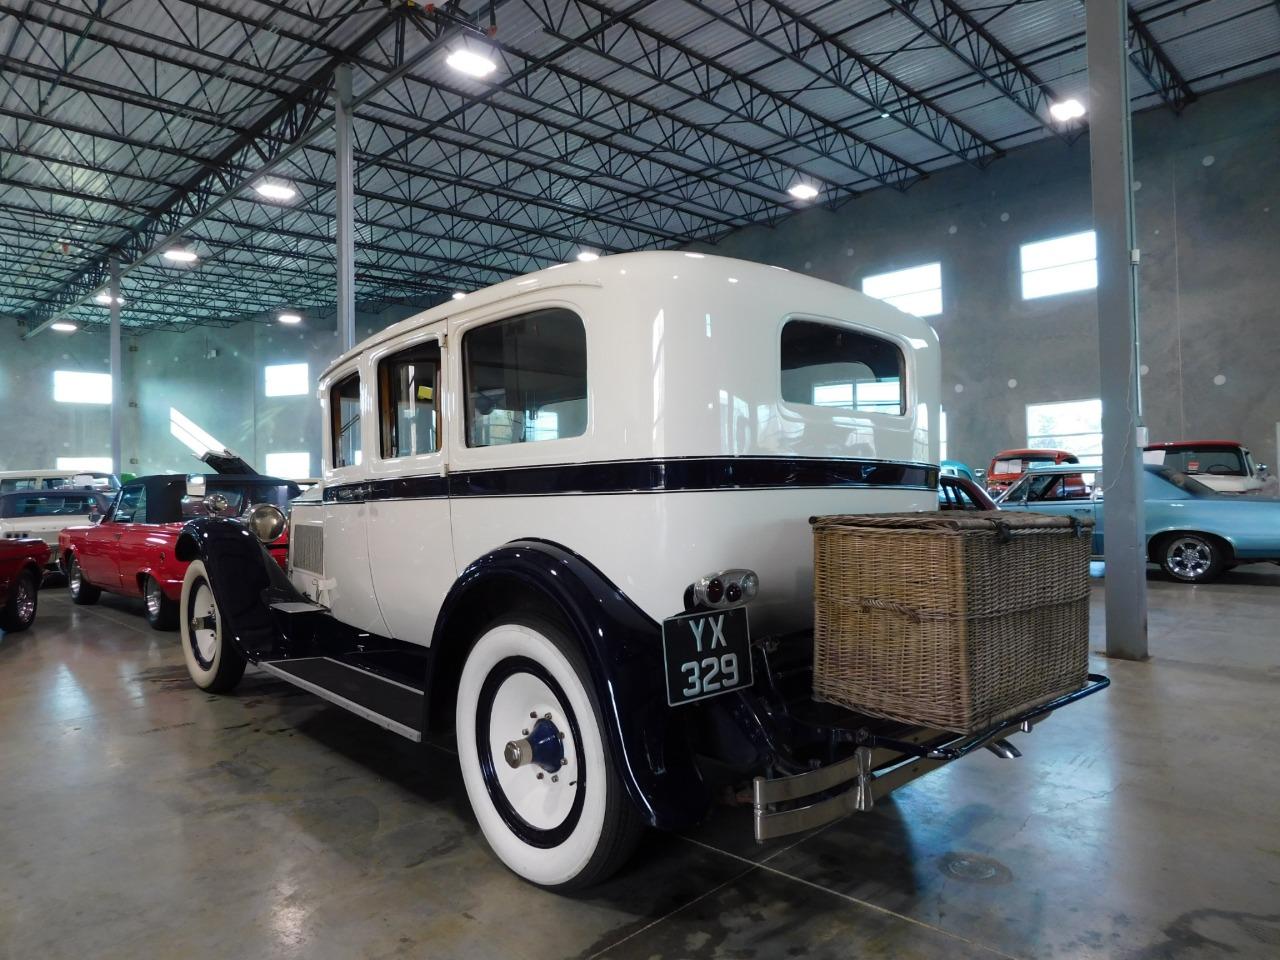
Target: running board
(391,705)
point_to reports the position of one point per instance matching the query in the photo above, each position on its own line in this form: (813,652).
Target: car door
(347,585)
(410,540)
(99,557)
(134,549)
(1063,495)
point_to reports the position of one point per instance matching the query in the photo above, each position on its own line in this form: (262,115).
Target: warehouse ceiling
(130,127)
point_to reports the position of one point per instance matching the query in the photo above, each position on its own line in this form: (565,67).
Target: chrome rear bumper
(879,766)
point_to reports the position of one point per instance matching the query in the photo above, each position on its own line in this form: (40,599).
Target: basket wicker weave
(950,622)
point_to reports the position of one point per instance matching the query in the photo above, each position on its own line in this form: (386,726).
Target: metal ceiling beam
(283,131)
(958,31)
(832,59)
(1156,67)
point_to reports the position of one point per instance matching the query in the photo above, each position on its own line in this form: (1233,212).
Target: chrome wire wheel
(75,580)
(1189,558)
(25,600)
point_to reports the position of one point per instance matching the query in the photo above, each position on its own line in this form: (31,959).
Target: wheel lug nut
(555,779)
(524,733)
(560,734)
(546,716)
(533,715)
(564,761)
(540,776)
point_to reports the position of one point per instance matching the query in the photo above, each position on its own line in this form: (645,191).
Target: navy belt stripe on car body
(643,476)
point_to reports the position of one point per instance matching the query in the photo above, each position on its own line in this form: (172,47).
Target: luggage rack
(880,764)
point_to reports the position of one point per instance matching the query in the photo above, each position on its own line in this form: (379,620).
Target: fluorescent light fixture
(471,63)
(586,256)
(104,297)
(290,318)
(180,255)
(803,191)
(884,114)
(280,190)
(190,435)
(458,294)
(63,326)
(1067,110)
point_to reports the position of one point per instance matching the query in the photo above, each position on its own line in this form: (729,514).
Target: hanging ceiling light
(290,318)
(471,62)
(803,191)
(271,188)
(180,255)
(1067,110)
(458,294)
(586,256)
(63,326)
(104,297)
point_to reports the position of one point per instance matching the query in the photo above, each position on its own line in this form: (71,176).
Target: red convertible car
(22,564)
(130,551)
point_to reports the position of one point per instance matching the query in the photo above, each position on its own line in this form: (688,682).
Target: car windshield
(240,498)
(1214,461)
(48,505)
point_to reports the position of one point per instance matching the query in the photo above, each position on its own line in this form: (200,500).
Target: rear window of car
(1219,462)
(827,365)
(49,505)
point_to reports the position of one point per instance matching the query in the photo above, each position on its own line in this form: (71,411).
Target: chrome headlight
(267,522)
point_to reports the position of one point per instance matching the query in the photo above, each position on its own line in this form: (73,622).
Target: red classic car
(130,551)
(22,564)
(1008,466)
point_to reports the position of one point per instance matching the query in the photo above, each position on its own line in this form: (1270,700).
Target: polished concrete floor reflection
(141,818)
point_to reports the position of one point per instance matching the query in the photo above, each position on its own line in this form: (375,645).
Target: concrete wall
(224,394)
(1208,219)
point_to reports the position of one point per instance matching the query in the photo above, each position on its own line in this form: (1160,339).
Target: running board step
(297,606)
(391,705)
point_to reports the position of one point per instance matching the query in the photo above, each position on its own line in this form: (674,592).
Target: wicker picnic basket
(950,622)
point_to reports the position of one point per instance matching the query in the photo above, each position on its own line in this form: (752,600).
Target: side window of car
(825,365)
(344,415)
(526,379)
(408,413)
(132,506)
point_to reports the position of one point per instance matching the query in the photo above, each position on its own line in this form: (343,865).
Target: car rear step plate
(391,705)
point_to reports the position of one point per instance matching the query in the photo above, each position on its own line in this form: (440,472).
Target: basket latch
(1003,531)
(1077,527)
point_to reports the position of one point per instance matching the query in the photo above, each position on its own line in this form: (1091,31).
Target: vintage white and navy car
(566,519)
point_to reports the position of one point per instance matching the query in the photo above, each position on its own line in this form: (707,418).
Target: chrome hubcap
(75,577)
(538,776)
(204,623)
(1189,557)
(153,598)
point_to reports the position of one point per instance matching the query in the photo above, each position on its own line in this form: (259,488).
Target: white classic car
(11,480)
(42,514)
(547,509)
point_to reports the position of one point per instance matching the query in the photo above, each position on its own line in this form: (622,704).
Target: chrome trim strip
(325,694)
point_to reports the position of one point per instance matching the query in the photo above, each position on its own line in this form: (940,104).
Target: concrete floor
(141,818)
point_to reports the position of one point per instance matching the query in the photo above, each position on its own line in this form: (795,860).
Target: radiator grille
(306,547)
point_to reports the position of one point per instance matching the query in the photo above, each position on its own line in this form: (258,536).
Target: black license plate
(706,654)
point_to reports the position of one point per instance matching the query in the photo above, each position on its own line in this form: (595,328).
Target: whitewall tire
(213,663)
(555,813)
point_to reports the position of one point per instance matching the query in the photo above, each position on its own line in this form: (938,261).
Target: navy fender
(242,574)
(623,649)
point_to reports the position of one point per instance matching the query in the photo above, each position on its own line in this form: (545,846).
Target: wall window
(408,385)
(942,434)
(1060,265)
(824,365)
(87,464)
(190,434)
(344,415)
(526,379)
(289,466)
(1074,426)
(915,290)
(75,386)
(286,379)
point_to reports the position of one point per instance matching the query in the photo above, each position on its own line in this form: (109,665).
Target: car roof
(1199,444)
(1065,468)
(50,474)
(1030,451)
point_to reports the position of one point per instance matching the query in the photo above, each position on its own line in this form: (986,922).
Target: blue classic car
(1193,532)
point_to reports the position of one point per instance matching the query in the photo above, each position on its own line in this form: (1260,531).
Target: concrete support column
(117,376)
(344,220)
(1125,550)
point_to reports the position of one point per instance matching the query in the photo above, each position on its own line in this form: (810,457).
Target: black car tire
(82,591)
(20,610)
(162,613)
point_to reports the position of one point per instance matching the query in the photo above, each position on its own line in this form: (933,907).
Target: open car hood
(226,462)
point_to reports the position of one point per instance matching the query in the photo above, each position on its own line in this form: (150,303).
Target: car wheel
(214,663)
(162,613)
(21,608)
(1192,557)
(82,591)
(536,760)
